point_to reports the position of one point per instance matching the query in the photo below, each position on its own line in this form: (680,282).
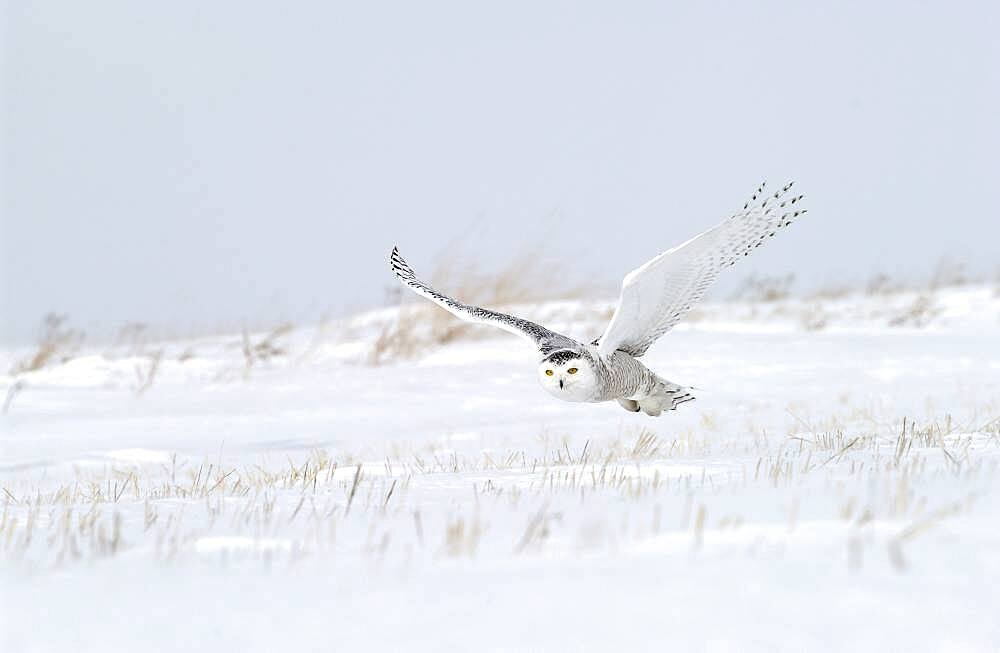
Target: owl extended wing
(545,339)
(656,296)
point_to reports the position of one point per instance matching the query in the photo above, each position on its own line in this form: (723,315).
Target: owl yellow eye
(572,370)
(549,372)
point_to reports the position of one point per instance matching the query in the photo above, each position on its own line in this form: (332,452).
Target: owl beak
(560,384)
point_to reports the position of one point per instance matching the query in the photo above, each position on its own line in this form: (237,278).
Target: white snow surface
(442,501)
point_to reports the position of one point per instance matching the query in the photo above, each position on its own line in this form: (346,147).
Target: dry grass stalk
(12,391)
(699,528)
(145,375)
(646,444)
(536,532)
(354,490)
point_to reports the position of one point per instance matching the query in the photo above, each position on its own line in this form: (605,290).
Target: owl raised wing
(657,295)
(545,339)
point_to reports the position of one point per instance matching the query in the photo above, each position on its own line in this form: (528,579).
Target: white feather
(657,295)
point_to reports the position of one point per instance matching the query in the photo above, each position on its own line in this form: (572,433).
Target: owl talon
(631,405)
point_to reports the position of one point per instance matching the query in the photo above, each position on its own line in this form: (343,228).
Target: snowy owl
(654,297)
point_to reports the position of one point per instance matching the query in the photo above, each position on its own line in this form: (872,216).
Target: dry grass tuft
(461,538)
(918,314)
(57,343)
(882,284)
(765,289)
(132,337)
(401,339)
(832,291)
(264,349)
(646,445)
(815,317)
(949,273)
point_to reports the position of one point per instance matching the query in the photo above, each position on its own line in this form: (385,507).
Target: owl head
(568,374)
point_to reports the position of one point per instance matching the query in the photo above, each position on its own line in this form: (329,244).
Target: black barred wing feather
(545,339)
(656,296)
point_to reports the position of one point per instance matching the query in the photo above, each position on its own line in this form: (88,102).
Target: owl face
(567,376)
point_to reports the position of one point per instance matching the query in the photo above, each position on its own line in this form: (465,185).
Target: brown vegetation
(57,343)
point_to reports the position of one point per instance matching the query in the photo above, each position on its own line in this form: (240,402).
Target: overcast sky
(198,164)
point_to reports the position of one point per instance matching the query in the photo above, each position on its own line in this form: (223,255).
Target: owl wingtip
(394,258)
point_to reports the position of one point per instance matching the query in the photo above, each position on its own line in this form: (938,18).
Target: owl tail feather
(665,396)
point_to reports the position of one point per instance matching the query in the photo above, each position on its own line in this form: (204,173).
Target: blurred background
(198,166)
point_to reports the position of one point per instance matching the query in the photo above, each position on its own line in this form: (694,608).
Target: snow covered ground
(836,486)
